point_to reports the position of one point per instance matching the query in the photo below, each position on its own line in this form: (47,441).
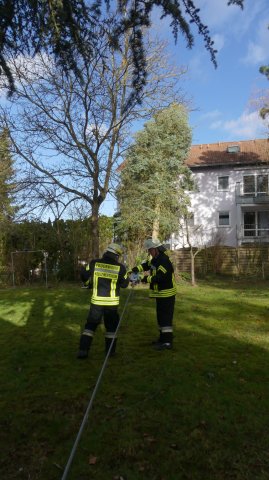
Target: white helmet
(152,243)
(115,248)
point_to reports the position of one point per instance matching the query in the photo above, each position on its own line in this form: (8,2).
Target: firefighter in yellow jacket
(159,273)
(106,276)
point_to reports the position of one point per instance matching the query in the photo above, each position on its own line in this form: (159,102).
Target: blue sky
(222,98)
(223,107)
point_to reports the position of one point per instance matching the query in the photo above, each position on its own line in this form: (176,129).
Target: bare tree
(193,237)
(197,238)
(68,134)
(192,233)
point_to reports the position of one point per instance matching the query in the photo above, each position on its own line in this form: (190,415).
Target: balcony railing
(254,231)
(255,197)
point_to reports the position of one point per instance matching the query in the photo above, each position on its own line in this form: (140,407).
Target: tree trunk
(156,222)
(193,280)
(95,229)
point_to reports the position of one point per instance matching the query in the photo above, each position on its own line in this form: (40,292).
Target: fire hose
(89,407)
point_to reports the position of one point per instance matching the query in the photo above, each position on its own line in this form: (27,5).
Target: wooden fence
(247,260)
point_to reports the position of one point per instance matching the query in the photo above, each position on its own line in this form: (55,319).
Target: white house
(230,205)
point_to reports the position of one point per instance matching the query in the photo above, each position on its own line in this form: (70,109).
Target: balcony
(250,198)
(253,233)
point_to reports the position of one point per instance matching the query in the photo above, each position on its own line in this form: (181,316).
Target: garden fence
(246,260)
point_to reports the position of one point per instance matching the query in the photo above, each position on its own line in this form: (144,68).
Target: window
(190,220)
(256,224)
(263,223)
(223,183)
(233,149)
(262,185)
(249,224)
(249,184)
(255,185)
(224,219)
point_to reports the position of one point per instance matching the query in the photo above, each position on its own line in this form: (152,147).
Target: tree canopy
(152,191)
(67,30)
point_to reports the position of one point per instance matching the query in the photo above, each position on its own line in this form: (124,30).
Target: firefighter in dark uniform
(105,276)
(159,273)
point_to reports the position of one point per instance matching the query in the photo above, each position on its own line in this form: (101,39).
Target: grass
(198,412)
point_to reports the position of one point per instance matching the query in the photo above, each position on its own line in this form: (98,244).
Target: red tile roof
(252,152)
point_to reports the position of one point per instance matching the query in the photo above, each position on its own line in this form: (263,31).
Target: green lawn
(198,412)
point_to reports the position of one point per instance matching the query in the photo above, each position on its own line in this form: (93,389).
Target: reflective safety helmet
(115,248)
(152,243)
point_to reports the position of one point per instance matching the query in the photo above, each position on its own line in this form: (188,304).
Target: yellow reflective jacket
(161,279)
(106,276)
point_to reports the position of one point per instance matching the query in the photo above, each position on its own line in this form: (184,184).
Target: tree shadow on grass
(197,412)
(42,382)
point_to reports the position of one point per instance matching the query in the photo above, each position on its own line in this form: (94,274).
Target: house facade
(230,202)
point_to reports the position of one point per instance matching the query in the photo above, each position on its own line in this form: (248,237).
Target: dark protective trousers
(165,312)
(111,321)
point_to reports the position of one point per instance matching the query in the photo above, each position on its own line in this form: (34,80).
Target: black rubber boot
(166,341)
(82,354)
(84,346)
(113,349)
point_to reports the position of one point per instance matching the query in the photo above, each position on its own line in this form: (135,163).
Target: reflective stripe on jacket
(143,267)
(162,279)
(107,277)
